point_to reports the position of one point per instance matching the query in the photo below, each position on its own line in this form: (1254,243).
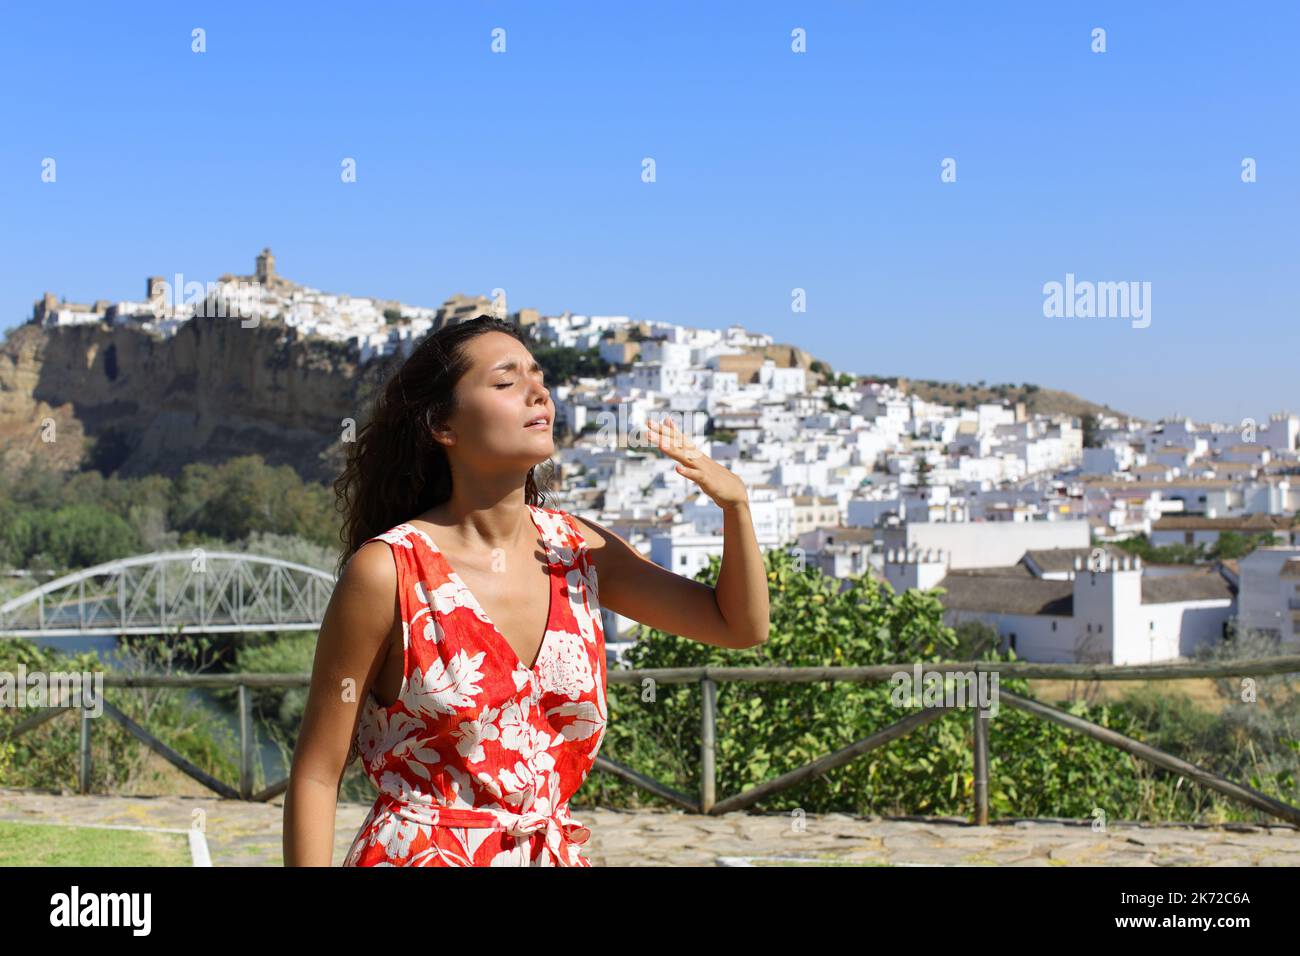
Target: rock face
(134,403)
(32,427)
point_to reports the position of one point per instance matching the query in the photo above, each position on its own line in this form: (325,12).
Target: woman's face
(495,400)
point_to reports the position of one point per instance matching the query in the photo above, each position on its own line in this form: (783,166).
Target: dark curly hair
(395,470)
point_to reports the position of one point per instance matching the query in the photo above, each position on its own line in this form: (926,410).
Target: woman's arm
(353,644)
(742,578)
(735,613)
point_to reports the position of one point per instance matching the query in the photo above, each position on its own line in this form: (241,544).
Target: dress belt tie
(562,833)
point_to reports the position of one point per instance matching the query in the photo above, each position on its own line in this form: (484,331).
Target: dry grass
(1200,690)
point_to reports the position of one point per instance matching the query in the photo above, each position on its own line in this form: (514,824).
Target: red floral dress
(477,758)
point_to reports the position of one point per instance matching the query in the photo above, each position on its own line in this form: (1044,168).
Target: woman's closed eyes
(507,385)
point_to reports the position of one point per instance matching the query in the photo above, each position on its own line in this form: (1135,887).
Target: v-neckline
(483,615)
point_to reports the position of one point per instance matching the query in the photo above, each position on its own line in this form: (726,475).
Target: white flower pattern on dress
(447,685)
(568,668)
(471,733)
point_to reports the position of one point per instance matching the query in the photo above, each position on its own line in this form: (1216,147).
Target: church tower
(266,267)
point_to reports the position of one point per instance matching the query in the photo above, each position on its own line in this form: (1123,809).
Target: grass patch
(39,844)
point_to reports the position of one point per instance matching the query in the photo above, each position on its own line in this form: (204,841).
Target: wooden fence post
(83,762)
(708,724)
(981,748)
(245,744)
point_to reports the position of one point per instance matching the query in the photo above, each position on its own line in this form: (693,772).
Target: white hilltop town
(1008,512)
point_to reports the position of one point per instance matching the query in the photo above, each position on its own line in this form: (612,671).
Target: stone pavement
(248,834)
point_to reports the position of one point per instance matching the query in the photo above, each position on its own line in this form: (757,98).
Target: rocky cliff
(132,402)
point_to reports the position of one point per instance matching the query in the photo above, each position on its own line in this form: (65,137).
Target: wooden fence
(709,677)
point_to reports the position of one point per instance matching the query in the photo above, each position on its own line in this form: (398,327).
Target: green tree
(974,639)
(923,470)
(561,365)
(1141,546)
(81,535)
(245,495)
(1090,437)
(1232,545)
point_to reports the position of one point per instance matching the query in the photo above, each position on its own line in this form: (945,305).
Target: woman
(461,655)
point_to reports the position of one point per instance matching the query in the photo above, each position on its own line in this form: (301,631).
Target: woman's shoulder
(568,525)
(403,535)
(370,573)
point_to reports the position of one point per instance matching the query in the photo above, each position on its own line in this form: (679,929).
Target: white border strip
(199,847)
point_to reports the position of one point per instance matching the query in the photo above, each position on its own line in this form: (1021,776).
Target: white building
(1197,529)
(1269,592)
(1107,611)
(984,544)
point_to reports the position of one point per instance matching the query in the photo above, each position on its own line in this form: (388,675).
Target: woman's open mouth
(542,422)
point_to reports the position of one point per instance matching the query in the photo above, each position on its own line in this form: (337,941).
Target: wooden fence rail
(709,677)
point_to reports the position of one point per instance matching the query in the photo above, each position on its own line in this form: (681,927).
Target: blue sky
(775,171)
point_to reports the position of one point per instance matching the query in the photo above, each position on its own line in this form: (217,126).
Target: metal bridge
(195,591)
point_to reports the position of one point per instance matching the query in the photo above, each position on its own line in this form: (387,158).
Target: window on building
(1053,625)
(1012,638)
